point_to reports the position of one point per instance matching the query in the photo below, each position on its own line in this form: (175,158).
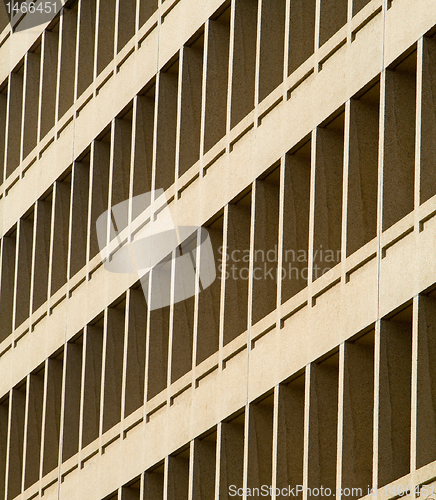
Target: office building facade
(300,134)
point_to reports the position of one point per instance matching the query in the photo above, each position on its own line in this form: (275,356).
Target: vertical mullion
(275,437)
(191,471)
(349,18)
(179,113)
(340,421)
(251,265)
(147,294)
(8,123)
(82,390)
(126,340)
(155,124)
(345,188)
(52,232)
(117,16)
(280,237)
(307,390)
(111,178)
(197,271)
(418,126)
(416,302)
(32,270)
(223,290)
(317,30)
(312,209)
(142,478)
(8,446)
(41,80)
(76,58)
(137,13)
(379,257)
(380,172)
(246,441)
(23,107)
(171,323)
(26,425)
(103,376)
(165,488)
(6,130)
(218,460)
(90,208)
(258,38)
(376,404)
(44,417)
(132,161)
(287,37)
(414,403)
(231,59)
(62,409)
(97,30)
(70,221)
(250,314)
(204,92)
(59,68)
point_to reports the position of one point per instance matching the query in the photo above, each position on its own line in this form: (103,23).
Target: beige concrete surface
(286,128)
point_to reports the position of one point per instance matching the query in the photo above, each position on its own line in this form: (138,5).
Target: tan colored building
(302,135)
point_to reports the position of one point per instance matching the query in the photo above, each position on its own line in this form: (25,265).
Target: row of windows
(312,402)
(44,85)
(57,237)
(62,64)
